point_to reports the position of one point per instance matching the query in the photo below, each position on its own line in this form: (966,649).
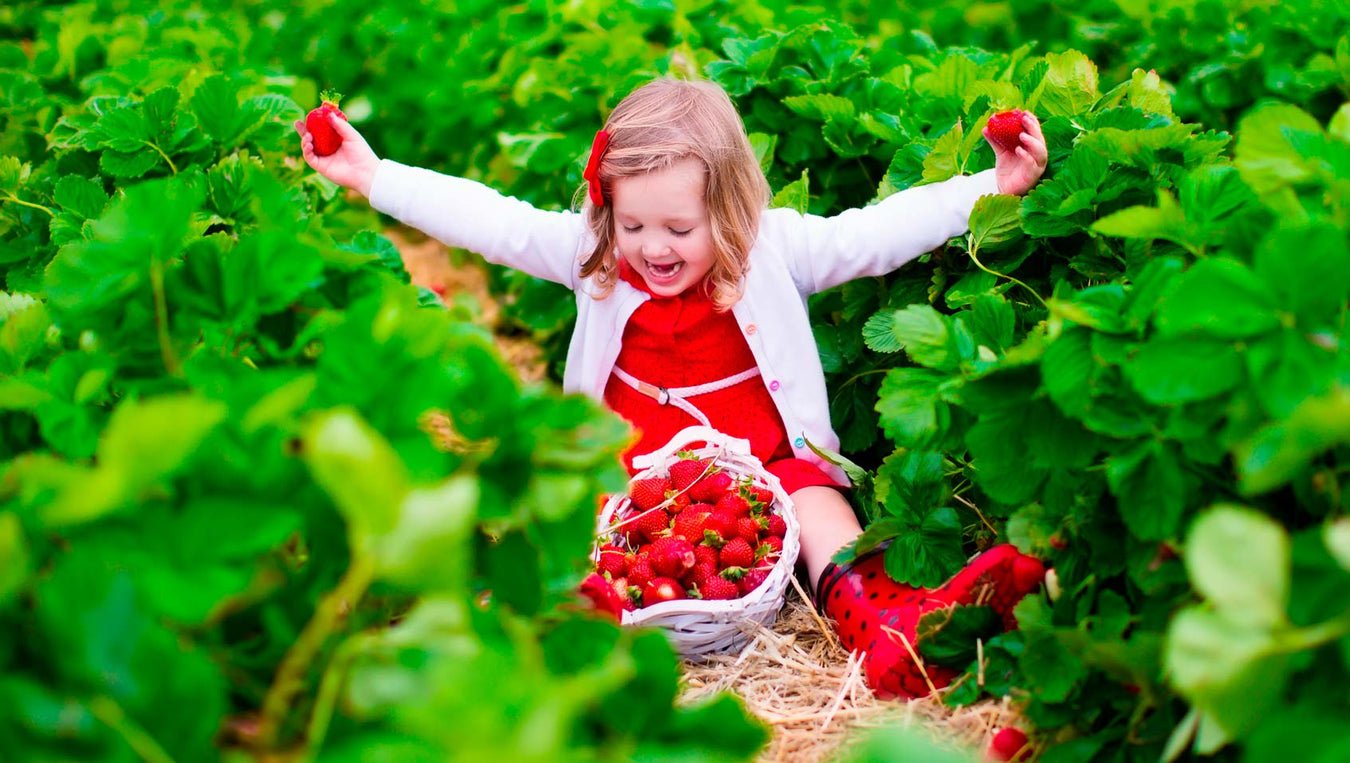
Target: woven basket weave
(696,626)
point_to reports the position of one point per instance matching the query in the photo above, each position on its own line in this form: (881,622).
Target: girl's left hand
(1018,169)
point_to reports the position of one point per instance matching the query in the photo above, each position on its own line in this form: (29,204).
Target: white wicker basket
(696,626)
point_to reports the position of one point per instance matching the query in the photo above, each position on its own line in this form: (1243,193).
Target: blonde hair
(657,125)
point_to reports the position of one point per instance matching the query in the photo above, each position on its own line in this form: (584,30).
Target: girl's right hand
(353,165)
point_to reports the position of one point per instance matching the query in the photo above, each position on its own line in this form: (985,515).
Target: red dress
(683,341)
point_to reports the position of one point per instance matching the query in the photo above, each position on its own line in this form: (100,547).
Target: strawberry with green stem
(320,125)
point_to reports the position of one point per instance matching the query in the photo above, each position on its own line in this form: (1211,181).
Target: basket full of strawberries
(702,545)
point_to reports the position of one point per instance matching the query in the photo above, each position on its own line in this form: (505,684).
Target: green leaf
(1281,449)
(1053,668)
(994,220)
(1219,297)
(1239,560)
(158,108)
(1286,369)
(145,442)
(911,482)
(927,337)
(216,104)
(879,331)
(428,547)
(80,196)
(991,321)
(1165,221)
(911,409)
(1268,152)
(358,469)
(998,447)
(1069,88)
(823,108)
(1181,370)
(944,161)
(131,164)
(15,558)
(1147,93)
(1336,533)
(1150,490)
(1067,371)
(948,636)
(1307,267)
(795,195)
(1229,670)
(22,335)
(381,250)
(928,552)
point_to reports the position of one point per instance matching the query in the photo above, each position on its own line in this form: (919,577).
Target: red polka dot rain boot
(878,616)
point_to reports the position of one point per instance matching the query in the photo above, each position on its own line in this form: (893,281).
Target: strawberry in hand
(335,149)
(1020,154)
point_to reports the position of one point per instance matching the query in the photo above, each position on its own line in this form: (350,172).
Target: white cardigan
(794,256)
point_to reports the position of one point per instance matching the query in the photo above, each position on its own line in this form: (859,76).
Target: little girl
(691,308)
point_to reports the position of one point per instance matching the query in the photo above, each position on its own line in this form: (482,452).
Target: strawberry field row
(214,371)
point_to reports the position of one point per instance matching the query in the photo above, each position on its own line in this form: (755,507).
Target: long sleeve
(469,215)
(822,252)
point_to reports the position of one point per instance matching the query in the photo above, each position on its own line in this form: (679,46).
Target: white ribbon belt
(676,395)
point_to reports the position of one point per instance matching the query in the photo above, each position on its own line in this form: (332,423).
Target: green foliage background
(218,492)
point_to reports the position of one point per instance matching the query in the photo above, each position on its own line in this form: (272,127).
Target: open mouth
(666,271)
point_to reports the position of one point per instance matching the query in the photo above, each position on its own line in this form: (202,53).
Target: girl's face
(662,227)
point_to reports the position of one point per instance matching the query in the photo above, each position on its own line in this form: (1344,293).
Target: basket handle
(682,439)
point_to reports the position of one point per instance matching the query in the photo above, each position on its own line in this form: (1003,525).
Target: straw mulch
(797,678)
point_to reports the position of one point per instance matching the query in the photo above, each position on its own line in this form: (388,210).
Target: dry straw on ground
(798,679)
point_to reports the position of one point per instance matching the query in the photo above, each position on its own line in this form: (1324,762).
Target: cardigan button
(800,442)
(773,386)
(751,328)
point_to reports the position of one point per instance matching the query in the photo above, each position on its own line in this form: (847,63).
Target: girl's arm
(824,252)
(871,241)
(457,212)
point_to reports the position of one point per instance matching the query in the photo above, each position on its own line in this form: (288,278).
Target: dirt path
(459,275)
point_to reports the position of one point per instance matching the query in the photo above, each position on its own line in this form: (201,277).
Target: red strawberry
(705,555)
(698,577)
(653,524)
(724,523)
(640,571)
(776,526)
(1005,128)
(736,553)
(602,595)
(772,546)
(678,502)
(689,525)
(686,470)
(720,588)
(612,561)
(712,487)
(648,493)
(760,495)
(748,528)
(1007,745)
(326,139)
(661,589)
(753,579)
(672,557)
(733,503)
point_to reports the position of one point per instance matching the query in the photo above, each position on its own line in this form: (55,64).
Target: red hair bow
(592,173)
